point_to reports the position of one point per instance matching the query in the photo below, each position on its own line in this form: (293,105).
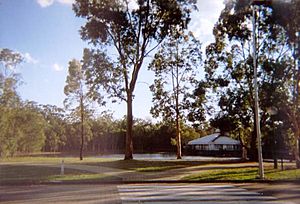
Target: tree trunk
(129,145)
(178,135)
(293,118)
(244,148)
(296,151)
(82,134)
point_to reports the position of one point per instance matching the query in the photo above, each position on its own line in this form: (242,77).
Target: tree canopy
(132,30)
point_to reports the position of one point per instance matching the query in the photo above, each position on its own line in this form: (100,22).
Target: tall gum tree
(9,101)
(230,70)
(77,98)
(131,30)
(287,14)
(175,66)
(9,78)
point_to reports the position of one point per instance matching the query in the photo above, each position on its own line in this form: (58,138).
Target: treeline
(34,128)
(26,126)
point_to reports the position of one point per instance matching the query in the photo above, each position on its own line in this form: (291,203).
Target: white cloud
(57,67)
(204,20)
(29,59)
(46,3)
(66,1)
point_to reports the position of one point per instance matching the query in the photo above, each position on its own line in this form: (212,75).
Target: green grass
(156,168)
(21,174)
(21,169)
(83,177)
(244,174)
(134,165)
(54,160)
(149,165)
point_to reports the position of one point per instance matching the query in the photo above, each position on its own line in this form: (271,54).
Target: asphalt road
(134,193)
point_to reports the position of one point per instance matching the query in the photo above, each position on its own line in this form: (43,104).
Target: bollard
(62,168)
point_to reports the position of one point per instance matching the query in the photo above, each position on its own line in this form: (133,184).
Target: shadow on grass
(153,165)
(33,174)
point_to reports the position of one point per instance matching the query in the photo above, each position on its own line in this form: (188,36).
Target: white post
(62,168)
(256,105)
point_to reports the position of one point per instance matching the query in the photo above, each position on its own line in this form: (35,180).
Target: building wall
(214,150)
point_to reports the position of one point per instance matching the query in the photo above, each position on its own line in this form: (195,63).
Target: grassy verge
(26,174)
(244,174)
(134,165)
(53,160)
(152,165)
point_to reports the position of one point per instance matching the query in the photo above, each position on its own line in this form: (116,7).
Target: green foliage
(132,34)
(290,22)
(9,78)
(31,126)
(229,70)
(22,127)
(78,96)
(175,66)
(22,130)
(55,130)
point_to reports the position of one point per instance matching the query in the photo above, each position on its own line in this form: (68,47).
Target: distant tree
(9,101)
(105,134)
(30,124)
(9,78)
(133,29)
(175,66)
(77,98)
(188,133)
(22,130)
(55,128)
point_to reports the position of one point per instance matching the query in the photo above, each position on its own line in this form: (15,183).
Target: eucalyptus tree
(9,78)
(175,66)
(55,129)
(9,100)
(229,67)
(30,125)
(287,14)
(131,30)
(77,98)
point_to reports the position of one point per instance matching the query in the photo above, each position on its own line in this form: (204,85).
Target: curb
(117,181)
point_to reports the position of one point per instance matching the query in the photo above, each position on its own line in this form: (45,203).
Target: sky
(46,33)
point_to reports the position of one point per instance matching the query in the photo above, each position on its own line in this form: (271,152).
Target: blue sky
(46,32)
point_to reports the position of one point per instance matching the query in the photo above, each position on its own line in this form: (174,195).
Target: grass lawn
(21,174)
(245,174)
(52,159)
(22,169)
(134,165)
(152,165)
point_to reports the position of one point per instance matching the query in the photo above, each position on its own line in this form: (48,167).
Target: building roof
(215,138)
